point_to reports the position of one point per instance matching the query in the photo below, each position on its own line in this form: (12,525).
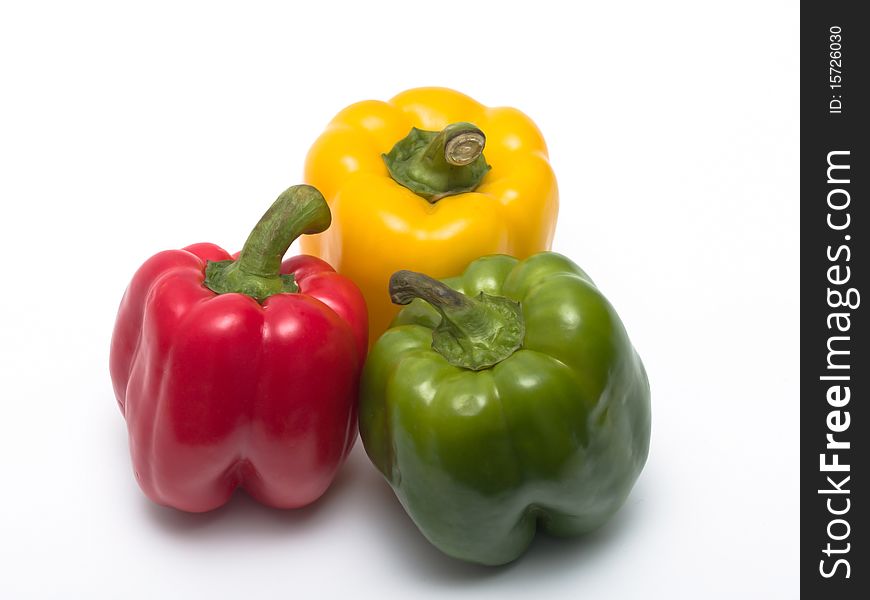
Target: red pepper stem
(474,333)
(301,209)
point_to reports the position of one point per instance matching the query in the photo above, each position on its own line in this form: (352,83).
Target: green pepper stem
(407,285)
(435,164)
(474,333)
(300,209)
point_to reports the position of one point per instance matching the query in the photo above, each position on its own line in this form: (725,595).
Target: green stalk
(435,164)
(301,209)
(474,333)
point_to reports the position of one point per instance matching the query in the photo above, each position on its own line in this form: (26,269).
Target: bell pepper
(240,372)
(502,401)
(428,181)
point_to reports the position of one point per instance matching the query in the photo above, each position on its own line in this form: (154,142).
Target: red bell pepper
(241,372)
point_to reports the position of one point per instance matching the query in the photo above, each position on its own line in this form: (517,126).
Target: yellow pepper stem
(435,164)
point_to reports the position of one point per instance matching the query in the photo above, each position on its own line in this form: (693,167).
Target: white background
(673,130)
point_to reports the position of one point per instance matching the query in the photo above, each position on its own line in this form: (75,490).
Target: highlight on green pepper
(505,400)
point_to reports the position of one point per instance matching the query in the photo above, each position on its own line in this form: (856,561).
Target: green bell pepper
(507,399)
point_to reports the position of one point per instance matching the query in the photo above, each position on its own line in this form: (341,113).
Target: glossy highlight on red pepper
(227,390)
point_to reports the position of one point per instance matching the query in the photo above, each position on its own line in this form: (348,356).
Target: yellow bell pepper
(467,181)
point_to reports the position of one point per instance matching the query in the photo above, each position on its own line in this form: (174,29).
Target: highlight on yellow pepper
(428,182)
